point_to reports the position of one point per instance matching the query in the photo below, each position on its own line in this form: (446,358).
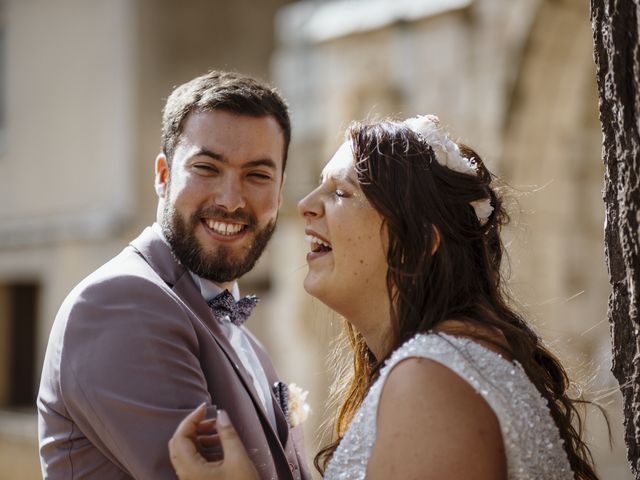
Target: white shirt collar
(211,290)
(208,288)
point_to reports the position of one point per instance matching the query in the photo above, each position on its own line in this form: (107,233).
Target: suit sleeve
(130,372)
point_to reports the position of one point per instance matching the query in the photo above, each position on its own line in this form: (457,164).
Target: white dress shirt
(238,339)
(241,344)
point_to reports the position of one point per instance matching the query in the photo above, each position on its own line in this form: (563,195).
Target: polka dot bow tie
(224,305)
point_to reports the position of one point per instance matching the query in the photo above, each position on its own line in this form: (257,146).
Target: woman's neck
(373,321)
(377,341)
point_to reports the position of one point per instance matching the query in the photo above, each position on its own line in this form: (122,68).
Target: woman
(447,380)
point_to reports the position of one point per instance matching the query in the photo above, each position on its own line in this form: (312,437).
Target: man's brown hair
(217,90)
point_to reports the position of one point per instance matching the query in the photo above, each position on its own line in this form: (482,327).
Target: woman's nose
(310,206)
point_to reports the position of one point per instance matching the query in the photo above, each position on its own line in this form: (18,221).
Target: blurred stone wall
(82,85)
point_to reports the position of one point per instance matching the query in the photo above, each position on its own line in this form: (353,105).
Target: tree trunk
(617,55)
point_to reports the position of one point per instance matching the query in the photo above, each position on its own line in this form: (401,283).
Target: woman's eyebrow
(344,178)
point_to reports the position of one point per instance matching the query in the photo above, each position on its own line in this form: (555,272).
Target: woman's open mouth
(318,246)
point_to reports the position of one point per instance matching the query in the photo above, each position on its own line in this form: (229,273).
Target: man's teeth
(313,239)
(224,228)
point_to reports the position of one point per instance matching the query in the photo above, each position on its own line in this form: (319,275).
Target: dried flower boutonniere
(299,409)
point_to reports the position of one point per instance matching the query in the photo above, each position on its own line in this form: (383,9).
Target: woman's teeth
(224,228)
(317,244)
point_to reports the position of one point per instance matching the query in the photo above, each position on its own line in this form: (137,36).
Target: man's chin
(223,273)
(220,261)
(225,254)
(223,265)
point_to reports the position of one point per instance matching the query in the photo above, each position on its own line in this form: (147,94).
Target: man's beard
(217,266)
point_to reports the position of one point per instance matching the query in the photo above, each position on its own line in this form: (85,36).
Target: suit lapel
(292,440)
(272,378)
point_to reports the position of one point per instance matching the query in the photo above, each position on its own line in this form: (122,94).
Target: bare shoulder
(432,424)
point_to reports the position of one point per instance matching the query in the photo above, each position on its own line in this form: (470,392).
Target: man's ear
(436,239)
(162,175)
(280,193)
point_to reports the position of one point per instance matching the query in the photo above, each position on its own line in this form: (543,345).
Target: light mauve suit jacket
(133,349)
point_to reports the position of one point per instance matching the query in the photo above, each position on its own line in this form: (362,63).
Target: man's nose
(229,194)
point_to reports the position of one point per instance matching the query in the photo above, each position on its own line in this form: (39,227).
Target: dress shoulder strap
(457,353)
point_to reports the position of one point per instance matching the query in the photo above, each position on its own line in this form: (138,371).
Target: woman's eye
(340,193)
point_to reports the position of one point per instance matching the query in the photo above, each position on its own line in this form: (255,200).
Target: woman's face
(347,258)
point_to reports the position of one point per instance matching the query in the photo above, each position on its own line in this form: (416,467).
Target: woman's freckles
(353,226)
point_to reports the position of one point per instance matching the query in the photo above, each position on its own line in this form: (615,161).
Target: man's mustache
(217,212)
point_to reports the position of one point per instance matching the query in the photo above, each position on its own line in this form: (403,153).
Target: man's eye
(260,176)
(203,167)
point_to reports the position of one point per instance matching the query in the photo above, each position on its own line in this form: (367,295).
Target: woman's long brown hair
(462,280)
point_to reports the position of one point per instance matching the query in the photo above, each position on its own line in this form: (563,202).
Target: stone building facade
(81,92)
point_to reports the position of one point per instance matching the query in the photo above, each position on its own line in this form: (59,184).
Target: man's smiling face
(219,199)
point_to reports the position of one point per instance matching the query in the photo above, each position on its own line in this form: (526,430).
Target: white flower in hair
(446,150)
(447,153)
(483,209)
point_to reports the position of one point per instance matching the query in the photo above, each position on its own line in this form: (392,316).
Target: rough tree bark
(616,24)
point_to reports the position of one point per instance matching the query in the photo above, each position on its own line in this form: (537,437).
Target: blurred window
(3,77)
(18,312)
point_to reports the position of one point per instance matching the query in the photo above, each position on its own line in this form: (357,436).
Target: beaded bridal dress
(532,442)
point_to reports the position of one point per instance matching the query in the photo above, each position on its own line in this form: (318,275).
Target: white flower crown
(448,155)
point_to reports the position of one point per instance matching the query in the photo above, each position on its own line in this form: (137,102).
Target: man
(152,333)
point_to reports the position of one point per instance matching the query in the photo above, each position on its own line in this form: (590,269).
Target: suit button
(292,466)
